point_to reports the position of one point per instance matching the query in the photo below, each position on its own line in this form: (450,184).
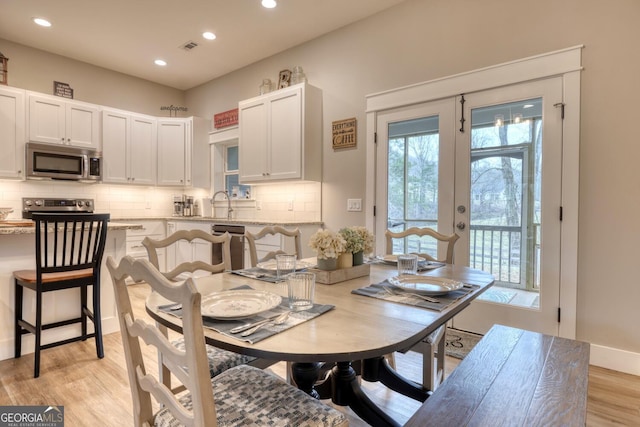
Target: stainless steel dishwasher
(237,245)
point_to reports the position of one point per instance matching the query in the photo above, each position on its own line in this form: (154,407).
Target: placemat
(224,326)
(422,266)
(378,291)
(258,274)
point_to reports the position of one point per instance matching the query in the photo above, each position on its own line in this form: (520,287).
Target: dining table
(331,352)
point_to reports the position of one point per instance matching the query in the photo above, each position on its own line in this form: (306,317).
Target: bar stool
(69,250)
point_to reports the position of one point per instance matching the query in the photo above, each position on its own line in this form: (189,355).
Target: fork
(401,293)
(277,321)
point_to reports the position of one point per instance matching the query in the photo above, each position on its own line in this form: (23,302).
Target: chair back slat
(271,230)
(448,240)
(190,366)
(67,242)
(153,246)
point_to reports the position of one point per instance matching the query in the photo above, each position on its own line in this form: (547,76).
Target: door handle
(460,226)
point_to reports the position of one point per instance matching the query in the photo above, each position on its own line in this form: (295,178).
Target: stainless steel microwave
(50,161)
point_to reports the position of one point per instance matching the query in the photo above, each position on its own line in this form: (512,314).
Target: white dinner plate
(425,285)
(272,266)
(393,259)
(238,304)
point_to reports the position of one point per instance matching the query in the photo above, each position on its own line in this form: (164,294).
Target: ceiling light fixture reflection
(498,120)
(527,106)
(269,4)
(42,22)
(209,35)
(160,62)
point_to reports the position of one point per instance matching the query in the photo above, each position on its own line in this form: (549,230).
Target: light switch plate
(354,205)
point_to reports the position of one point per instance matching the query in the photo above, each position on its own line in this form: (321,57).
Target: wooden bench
(513,378)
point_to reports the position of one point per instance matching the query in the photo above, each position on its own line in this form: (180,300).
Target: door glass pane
(412,185)
(505,224)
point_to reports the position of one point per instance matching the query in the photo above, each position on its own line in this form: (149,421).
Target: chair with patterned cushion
(272,231)
(219,359)
(240,396)
(432,347)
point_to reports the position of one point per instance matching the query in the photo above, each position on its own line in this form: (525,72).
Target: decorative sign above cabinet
(62,89)
(344,133)
(225,119)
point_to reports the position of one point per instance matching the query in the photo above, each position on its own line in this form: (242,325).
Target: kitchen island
(17,252)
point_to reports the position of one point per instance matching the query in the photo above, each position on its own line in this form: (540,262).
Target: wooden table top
(513,377)
(359,327)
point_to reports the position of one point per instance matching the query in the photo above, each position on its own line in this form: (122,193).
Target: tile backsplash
(282,202)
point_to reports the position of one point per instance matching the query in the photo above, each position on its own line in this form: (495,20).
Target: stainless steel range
(51,205)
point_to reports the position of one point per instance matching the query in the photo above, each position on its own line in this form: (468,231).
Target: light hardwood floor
(96,392)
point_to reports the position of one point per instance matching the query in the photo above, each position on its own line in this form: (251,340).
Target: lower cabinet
(151,229)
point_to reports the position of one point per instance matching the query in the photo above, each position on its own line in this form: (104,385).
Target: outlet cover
(354,205)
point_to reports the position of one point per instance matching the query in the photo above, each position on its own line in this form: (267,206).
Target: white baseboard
(615,359)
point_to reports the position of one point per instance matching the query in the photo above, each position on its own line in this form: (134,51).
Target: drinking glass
(285,264)
(301,289)
(407,264)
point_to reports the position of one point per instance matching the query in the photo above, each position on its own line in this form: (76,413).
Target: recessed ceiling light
(209,35)
(269,4)
(42,22)
(160,62)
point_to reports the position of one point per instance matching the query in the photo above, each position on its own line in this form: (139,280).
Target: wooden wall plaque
(344,133)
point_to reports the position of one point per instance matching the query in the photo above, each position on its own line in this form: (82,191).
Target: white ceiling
(128,35)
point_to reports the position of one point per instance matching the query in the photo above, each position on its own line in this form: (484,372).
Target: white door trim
(566,63)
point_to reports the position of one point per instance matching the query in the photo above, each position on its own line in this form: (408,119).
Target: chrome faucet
(229,210)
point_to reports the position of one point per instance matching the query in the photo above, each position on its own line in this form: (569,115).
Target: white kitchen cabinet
(134,238)
(183,152)
(128,148)
(280,135)
(12,132)
(56,121)
(197,250)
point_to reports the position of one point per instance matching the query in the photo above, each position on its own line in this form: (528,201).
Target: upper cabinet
(183,152)
(128,148)
(57,121)
(280,135)
(12,134)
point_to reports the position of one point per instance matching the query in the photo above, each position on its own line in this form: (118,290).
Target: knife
(251,325)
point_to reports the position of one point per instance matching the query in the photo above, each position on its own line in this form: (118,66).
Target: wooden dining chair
(69,250)
(418,234)
(272,231)
(219,359)
(153,246)
(244,395)
(432,348)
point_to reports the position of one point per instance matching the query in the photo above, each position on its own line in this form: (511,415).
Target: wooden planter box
(340,275)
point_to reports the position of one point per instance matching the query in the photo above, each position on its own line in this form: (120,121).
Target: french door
(486,165)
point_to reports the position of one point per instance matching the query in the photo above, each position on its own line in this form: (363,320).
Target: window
(231,180)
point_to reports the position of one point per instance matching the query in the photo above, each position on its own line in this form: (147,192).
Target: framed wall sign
(344,133)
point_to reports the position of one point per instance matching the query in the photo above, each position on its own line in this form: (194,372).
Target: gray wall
(421,40)
(36,70)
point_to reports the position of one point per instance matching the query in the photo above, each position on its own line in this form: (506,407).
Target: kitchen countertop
(7,229)
(131,223)
(289,223)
